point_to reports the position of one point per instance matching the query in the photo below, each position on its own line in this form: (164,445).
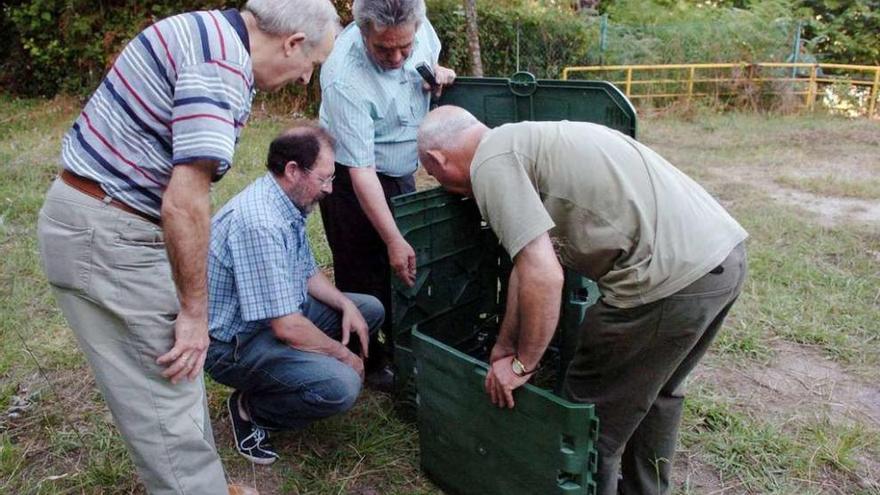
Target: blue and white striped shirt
(179,92)
(374,114)
(259,260)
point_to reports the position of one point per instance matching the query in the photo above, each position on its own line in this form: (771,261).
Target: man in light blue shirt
(279,328)
(372,103)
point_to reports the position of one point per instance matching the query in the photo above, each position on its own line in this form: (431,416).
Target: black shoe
(251,441)
(380,380)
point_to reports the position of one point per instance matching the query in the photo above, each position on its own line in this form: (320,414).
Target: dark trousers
(284,387)
(632,364)
(360,258)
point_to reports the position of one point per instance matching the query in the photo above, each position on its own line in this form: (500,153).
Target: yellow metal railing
(698,80)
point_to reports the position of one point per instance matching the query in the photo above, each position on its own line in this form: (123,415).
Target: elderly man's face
(312,185)
(294,63)
(391,46)
(452,174)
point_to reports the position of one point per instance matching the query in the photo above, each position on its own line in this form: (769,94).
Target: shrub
(550,37)
(67,45)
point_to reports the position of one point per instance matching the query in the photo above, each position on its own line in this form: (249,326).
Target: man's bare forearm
(540,279)
(509,332)
(297,331)
(323,290)
(300,333)
(186,222)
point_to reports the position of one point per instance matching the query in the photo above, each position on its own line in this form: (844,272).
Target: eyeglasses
(324,182)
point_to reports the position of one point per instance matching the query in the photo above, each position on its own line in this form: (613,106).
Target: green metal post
(603,38)
(796,49)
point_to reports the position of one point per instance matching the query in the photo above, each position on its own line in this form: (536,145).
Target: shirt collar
(289,211)
(235,19)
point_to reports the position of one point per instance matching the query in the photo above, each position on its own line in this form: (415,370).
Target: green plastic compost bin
(445,326)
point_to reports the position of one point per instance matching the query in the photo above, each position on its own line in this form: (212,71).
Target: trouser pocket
(65,252)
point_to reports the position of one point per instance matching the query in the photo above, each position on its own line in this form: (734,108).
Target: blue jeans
(286,388)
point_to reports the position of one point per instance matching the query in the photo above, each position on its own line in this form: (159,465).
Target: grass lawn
(786,402)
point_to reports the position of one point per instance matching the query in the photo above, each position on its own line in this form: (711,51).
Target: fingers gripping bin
(445,326)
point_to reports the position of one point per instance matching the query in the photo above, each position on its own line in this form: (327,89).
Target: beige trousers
(110,274)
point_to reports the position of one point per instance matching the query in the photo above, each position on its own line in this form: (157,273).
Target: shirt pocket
(65,253)
(412,101)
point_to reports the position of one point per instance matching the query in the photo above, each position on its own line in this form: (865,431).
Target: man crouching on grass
(279,328)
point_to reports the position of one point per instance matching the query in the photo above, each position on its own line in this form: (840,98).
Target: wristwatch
(519,369)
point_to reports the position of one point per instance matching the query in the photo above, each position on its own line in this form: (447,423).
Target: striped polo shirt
(180,91)
(373,113)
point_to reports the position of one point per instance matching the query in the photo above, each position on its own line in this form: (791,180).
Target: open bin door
(496,100)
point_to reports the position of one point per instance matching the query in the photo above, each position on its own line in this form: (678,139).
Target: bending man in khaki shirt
(668,259)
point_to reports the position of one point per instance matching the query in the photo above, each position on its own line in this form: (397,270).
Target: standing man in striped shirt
(372,101)
(124,231)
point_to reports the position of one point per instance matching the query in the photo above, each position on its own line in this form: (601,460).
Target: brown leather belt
(93,189)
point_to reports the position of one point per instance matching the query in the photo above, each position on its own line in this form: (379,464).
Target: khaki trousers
(110,274)
(632,364)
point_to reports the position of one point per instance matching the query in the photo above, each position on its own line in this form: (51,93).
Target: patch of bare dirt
(691,475)
(830,211)
(725,156)
(801,382)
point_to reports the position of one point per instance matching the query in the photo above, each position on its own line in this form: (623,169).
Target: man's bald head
(442,128)
(448,139)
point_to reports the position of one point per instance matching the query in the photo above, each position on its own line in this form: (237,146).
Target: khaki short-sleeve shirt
(616,211)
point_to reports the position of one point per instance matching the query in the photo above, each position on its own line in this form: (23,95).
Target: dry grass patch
(832,185)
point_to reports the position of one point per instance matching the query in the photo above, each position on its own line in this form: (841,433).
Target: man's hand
(402,259)
(353,320)
(501,382)
(300,333)
(444,77)
(186,358)
(352,360)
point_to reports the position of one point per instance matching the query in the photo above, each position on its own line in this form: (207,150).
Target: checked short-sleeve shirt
(259,260)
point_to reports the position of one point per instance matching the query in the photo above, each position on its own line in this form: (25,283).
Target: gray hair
(285,17)
(442,127)
(380,14)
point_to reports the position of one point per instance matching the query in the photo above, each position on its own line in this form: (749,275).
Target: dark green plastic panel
(545,445)
(457,260)
(497,100)
(578,294)
(456,287)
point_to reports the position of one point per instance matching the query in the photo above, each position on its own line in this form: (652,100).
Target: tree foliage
(681,32)
(845,31)
(67,45)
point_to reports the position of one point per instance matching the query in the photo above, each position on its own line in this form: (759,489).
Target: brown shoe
(235,489)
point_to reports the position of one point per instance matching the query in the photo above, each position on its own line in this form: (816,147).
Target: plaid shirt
(259,260)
